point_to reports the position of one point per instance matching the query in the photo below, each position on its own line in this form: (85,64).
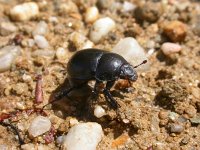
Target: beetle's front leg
(113,103)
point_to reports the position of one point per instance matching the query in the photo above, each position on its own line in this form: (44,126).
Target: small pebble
(60,139)
(196,25)
(182,119)
(67,7)
(31,146)
(84,136)
(80,41)
(104,4)
(191,111)
(173,116)
(127,6)
(41,41)
(170,48)
(20,105)
(126,121)
(119,141)
(44,53)
(8,55)
(61,53)
(185,141)
(40,29)
(163,114)
(20,88)
(26,78)
(53,19)
(7,28)
(175,31)
(24,12)
(73,121)
(30,42)
(176,128)
(196,119)
(38,126)
(92,14)
(99,112)
(150,12)
(4,147)
(130,49)
(101,28)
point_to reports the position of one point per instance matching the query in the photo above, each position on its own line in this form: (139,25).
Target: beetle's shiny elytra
(101,66)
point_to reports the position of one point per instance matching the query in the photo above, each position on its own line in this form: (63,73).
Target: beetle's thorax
(108,68)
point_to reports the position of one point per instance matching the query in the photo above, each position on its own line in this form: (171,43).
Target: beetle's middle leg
(113,103)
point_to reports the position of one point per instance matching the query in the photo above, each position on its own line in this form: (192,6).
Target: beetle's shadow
(72,104)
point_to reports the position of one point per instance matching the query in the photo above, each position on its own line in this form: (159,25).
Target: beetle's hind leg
(112,102)
(65,92)
(75,85)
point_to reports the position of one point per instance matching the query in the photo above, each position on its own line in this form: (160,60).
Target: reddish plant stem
(38,90)
(50,136)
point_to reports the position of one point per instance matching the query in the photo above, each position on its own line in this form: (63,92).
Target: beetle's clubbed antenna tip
(144,62)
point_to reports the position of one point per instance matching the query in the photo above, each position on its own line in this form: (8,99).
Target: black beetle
(101,66)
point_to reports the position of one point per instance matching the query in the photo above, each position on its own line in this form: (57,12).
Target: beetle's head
(127,72)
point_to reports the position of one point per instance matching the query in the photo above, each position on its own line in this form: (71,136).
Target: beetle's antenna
(144,62)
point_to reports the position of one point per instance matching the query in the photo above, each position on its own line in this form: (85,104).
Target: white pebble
(170,48)
(132,52)
(84,136)
(60,139)
(40,29)
(73,121)
(26,78)
(7,28)
(126,121)
(101,28)
(44,53)
(91,15)
(61,53)
(25,11)
(31,146)
(41,41)
(80,41)
(127,6)
(99,111)
(8,55)
(38,126)
(31,42)
(53,19)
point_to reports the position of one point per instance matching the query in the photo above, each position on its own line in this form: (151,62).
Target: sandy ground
(157,112)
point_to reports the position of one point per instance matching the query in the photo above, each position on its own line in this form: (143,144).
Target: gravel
(84,136)
(41,41)
(40,29)
(130,49)
(128,6)
(176,128)
(91,14)
(170,48)
(167,94)
(150,12)
(101,28)
(176,31)
(7,28)
(24,12)
(61,53)
(39,126)
(8,55)
(99,112)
